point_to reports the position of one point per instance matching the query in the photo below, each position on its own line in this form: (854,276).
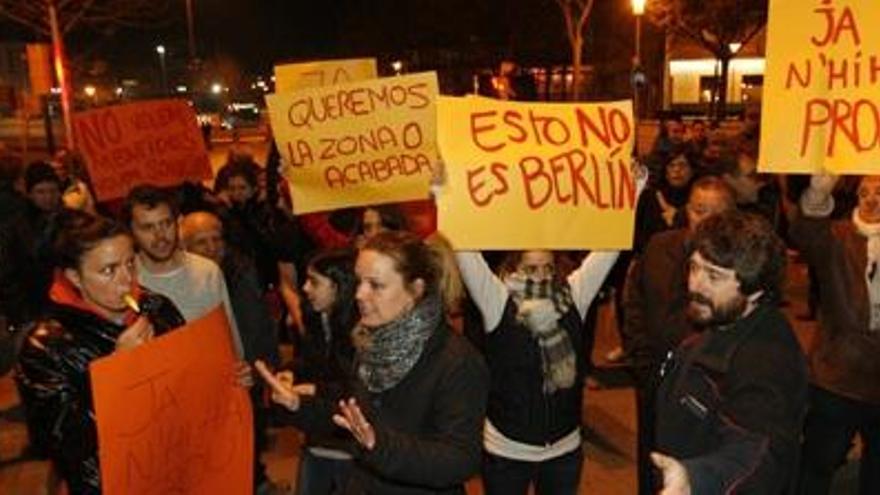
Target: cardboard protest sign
(156,142)
(822,87)
(171,418)
(357,144)
(293,77)
(536,175)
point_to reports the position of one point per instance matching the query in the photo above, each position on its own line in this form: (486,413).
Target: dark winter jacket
(428,427)
(655,300)
(252,313)
(19,299)
(731,405)
(518,405)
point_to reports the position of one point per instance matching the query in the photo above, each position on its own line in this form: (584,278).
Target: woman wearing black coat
(417,405)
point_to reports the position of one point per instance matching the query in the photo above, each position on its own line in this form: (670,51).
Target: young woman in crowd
(324,360)
(417,404)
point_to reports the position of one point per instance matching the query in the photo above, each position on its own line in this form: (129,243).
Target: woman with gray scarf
(418,403)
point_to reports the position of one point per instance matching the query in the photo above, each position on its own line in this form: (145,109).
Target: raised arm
(586,280)
(485,288)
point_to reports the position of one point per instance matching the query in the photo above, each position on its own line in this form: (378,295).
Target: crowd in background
(379,310)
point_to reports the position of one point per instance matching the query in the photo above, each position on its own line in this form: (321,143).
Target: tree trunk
(576,61)
(721,108)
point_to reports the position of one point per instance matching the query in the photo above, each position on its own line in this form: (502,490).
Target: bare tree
(576,13)
(718,26)
(55,18)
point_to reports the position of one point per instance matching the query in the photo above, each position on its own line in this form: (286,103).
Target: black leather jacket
(53,378)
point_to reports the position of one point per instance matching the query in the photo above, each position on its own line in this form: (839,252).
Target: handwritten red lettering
(841,122)
(476,130)
(835,27)
(475,184)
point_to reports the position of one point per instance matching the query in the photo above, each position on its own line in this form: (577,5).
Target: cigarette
(132,303)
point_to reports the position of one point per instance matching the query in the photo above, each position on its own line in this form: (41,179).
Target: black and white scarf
(385,354)
(540,305)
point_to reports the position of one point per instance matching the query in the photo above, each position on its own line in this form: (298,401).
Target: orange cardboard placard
(171,418)
(156,142)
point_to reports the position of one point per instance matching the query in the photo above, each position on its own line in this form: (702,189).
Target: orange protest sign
(156,142)
(171,418)
(293,77)
(536,175)
(357,144)
(821,107)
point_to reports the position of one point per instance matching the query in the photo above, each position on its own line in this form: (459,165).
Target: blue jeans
(557,476)
(321,476)
(832,423)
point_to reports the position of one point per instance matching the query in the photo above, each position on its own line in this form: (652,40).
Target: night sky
(252,35)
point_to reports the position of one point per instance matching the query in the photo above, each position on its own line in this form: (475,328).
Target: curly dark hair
(746,244)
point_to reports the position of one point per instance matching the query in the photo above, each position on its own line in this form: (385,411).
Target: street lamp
(638,10)
(160,49)
(91,92)
(638,77)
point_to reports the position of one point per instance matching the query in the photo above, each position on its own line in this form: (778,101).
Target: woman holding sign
(418,403)
(96,309)
(533,318)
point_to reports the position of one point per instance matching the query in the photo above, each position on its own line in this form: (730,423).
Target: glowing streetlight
(216,88)
(638,6)
(160,49)
(90,91)
(397,65)
(638,10)
(734,47)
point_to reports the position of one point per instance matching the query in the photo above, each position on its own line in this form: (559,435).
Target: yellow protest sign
(357,144)
(293,77)
(536,175)
(822,87)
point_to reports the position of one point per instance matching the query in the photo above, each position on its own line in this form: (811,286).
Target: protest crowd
(420,362)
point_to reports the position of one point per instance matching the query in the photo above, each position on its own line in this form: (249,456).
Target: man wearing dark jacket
(655,300)
(732,399)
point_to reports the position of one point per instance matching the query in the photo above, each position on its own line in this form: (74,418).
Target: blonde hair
(449,285)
